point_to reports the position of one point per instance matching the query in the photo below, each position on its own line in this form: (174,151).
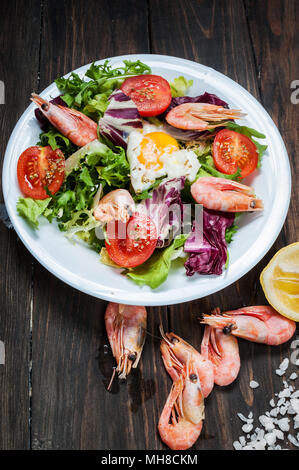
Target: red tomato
(150,93)
(40,167)
(232,150)
(133,243)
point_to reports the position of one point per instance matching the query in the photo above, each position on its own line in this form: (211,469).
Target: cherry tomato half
(150,93)
(133,243)
(40,167)
(232,150)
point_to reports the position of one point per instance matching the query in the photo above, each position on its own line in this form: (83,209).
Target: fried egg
(152,154)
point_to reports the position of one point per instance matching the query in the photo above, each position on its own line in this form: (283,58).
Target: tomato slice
(40,167)
(150,93)
(232,150)
(131,244)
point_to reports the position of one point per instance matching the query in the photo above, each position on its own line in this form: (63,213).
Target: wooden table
(51,386)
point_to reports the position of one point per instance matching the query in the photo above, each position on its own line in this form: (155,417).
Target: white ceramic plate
(80,267)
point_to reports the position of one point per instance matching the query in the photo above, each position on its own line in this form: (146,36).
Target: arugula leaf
(56,141)
(249,132)
(230,232)
(31,209)
(91,96)
(208,170)
(155,270)
(179,86)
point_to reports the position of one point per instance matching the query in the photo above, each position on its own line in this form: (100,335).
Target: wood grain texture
(253,43)
(216,34)
(19,46)
(70,407)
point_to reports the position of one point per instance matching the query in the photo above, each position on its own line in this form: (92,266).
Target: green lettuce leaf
(155,270)
(31,209)
(179,86)
(56,141)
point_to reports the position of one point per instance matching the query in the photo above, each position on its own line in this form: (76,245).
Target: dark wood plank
(19,48)
(216,34)
(71,408)
(274,32)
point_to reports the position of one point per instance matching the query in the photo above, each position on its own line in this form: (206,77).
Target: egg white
(175,164)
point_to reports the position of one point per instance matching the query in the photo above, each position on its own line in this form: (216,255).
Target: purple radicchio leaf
(43,121)
(115,136)
(120,118)
(122,112)
(165,208)
(208,250)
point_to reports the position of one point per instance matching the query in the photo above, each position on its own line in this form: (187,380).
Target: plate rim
(130,298)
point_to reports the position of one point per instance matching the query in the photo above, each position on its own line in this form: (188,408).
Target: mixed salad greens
(129,104)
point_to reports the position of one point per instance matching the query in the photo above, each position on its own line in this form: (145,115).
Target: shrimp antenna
(164,335)
(111,380)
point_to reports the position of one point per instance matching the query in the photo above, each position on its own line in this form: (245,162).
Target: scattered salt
(283,424)
(254,384)
(293,440)
(266,422)
(247,428)
(237,445)
(273,428)
(285,364)
(270,438)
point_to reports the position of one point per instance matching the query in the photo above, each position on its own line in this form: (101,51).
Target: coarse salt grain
(270,438)
(247,428)
(285,364)
(288,402)
(283,424)
(293,440)
(254,384)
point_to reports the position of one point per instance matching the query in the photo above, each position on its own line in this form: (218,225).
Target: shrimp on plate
(116,205)
(221,194)
(223,351)
(201,116)
(260,324)
(126,328)
(77,127)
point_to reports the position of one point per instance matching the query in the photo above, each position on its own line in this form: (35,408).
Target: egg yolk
(153,146)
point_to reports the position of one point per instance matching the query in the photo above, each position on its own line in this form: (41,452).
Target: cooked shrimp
(116,205)
(200,116)
(260,324)
(223,351)
(192,396)
(176,353)
(221,194)
(74,125)
(125,326)
(176,430)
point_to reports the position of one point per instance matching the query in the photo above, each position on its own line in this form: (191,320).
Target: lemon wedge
(280,281)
